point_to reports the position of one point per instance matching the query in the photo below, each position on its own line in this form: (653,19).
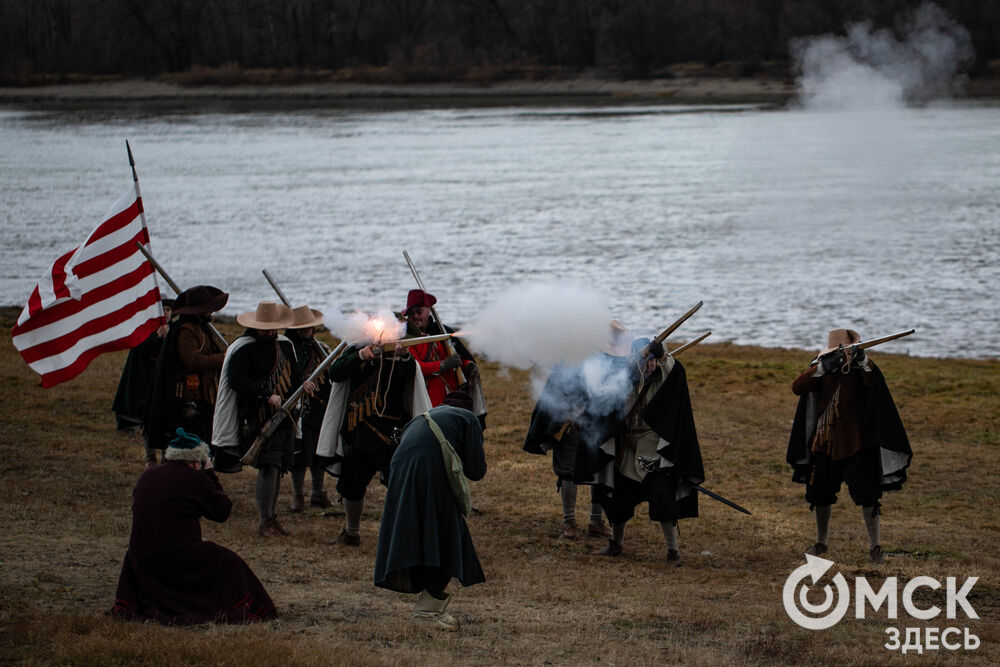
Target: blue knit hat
(186,447)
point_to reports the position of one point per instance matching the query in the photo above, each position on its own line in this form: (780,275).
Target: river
(785,222)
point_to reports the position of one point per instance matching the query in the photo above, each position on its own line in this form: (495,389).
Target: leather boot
(430,611)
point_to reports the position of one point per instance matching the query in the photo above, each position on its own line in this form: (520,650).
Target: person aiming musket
(847,429)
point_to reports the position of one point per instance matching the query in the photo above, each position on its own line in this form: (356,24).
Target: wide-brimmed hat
(186,447)
(838,337)
(619,340)
(304,317)
(268,315)
(418,297)
(200,300)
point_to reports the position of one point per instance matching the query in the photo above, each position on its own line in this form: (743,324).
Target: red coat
(429,357)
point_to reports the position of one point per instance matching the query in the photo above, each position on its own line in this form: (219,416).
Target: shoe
(298,503)
(320,500)
(570,530)
(612,549)
(598,529)
(817,549)
(271,528)
(875,556)
(674,556)
(431,611)
(346,539)
(277,527)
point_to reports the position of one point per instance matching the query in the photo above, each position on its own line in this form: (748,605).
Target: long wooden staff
(449,346)
(219,338)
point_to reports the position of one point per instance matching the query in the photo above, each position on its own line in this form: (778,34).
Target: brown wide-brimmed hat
(838,337)
(619,340)
(200,300)
(304,317)
(418,297)
(268,315)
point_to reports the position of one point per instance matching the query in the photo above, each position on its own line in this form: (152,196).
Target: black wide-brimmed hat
(200,300)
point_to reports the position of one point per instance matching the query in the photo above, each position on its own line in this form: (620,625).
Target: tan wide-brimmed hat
(619,340)
(304,317)
(838,337)
(268,315)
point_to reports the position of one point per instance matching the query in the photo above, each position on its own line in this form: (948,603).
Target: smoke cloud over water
(919,61)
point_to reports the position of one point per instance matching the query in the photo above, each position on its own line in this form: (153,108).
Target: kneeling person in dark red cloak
(170,574)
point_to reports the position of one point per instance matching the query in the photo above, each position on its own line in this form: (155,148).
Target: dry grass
(66,478)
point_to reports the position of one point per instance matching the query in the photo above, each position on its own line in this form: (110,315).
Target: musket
(277,290)
(669,330)
(219,338)
(674,353)
(409,342)
(272,424)
(863,345)
(448,345)
(722,500)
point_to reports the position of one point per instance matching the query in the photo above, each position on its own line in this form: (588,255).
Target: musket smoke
(365,328)
(881,69)
(541,325)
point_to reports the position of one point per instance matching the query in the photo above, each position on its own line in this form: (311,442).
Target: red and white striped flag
(99,297)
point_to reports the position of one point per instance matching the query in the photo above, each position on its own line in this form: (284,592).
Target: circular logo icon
(820,616)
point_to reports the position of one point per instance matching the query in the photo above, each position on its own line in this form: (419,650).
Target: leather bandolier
(368,402)
(278,381)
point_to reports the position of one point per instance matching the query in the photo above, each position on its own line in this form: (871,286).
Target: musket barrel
(690,344)
(669,330)
(277,290)
(865,344)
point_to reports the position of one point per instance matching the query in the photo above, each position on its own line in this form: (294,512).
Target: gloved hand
(858,356)
(451,363)
(832,362)
(471,371)
(656,349)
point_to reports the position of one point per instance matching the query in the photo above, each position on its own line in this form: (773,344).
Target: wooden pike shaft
(219,338)
(449,346)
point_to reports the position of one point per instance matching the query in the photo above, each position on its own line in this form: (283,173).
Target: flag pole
(142,215)
(138,195)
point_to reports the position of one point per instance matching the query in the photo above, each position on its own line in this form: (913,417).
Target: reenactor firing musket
(843,355)
(644,352)
(674,353)
(219,338)
(449,346)
(272,424)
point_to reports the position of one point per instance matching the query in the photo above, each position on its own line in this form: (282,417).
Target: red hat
(418,297)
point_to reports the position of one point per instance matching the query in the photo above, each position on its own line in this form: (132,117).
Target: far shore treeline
(220,41)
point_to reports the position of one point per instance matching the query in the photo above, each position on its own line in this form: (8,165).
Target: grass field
(66,478)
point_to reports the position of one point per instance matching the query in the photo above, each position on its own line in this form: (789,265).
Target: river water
(786,223)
